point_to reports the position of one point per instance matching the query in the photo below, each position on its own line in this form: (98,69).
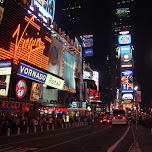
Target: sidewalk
(144,138)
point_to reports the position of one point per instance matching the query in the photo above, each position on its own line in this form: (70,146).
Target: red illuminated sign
(56,109)
(21,88)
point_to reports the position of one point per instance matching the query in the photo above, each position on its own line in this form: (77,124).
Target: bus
(119,117)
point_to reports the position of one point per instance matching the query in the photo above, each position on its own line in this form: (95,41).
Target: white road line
(5,148)
(116,144)
(42,149)
(42,137)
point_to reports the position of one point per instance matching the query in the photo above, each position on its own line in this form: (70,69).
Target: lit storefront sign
(56,109)
(21,88)
(54,82)
(127,81)
(15,105)
(127,96)
(124,39)
(29,72)
(5,72)
(87,42)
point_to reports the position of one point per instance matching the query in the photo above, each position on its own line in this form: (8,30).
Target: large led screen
(125,49)
(124,39)
(127,81)
(46,8)
(69,70)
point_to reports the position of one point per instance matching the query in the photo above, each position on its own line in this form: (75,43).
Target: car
(105,120)
(119,117)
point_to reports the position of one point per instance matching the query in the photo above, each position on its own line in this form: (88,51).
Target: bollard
(73,124)
(47,127)
(69,125)
(8,132)
(34,129)
(18,131)
(41,128)
(62,125)
(52,126)
(27,130)
(66,125)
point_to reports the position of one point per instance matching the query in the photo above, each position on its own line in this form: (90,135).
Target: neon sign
(21,88)
(26,47)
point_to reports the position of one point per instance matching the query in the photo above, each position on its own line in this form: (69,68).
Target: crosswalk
(19,149)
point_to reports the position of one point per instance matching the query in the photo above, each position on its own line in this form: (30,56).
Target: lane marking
(44,137)
(116,144)
(42,149)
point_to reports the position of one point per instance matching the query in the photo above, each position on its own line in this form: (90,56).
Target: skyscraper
(70,16)
(123,21)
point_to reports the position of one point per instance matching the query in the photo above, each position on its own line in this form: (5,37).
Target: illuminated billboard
(5,72)
(127,96)
(124,39)
(35,91)
(87,42)
(127,81)
(122,12)
(46,8)
(55,55)
(25,39)
(88,52)
(125,49)
(69,70)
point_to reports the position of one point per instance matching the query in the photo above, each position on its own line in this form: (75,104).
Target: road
(91,138)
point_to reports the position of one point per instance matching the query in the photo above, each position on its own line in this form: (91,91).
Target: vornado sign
(29,72)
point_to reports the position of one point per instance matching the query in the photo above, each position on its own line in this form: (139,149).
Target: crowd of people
(14,122)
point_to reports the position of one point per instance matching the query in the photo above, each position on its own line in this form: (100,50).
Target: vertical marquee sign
(25,39)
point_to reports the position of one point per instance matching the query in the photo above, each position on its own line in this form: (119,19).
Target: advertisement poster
(5,72)
(69,70)
(55,57)
(35,91)
(4,84)
(127,81)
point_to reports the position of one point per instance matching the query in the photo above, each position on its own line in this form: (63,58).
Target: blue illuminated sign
(5,64)
(124,39)
(88,52)
(87,42)
(125,49)
(31,73)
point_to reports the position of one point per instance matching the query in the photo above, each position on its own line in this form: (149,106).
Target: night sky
(98,19)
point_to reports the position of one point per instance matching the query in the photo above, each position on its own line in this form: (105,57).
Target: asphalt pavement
(89,138)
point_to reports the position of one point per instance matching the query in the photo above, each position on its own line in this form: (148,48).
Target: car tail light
(101,121)
(108,120)
(123,117)
(118,115)
(114,118)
